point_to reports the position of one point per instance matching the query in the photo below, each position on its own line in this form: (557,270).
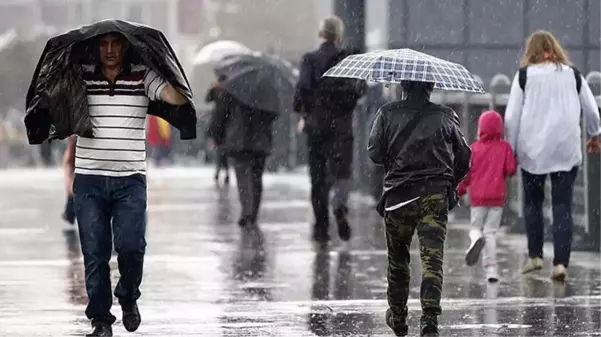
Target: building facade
(486,36)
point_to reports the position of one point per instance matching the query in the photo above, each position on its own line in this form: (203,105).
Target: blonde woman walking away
(548,97)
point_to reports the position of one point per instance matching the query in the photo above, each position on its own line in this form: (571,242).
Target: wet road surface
(203,277)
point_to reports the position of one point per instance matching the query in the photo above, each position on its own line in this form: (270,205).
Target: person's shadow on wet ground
(250,263)
(323,320)
(75,271)
(224,205)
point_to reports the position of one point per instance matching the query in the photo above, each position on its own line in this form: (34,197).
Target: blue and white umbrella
(394,66)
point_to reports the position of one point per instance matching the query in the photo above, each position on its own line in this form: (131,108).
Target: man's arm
(157,88)
(304,85)
(69,165)
(170,95)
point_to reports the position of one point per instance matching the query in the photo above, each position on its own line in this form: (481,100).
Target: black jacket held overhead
(422,149)
(56,101)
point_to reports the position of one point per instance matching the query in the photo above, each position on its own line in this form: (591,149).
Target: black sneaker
(344,229)
(473,252)
(320,237)
(398,324)
(131,317)
(428,326)
(101,330)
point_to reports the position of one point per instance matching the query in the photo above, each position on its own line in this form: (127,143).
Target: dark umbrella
(260,81)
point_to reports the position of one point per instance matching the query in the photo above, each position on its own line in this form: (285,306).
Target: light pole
(352,13)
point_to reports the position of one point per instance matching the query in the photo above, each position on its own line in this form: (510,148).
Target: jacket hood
(490,126)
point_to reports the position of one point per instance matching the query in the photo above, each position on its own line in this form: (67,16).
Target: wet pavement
(203,277)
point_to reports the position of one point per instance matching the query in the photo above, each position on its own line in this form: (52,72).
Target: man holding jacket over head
(327,106)
(109,187)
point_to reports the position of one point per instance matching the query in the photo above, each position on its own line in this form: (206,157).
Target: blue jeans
(107,209)
(562,188)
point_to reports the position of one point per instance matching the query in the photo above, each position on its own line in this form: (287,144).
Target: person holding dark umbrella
(257,88)
(105,103)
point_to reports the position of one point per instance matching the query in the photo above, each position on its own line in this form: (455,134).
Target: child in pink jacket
(492,162)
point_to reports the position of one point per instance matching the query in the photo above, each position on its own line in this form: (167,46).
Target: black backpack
(523,76)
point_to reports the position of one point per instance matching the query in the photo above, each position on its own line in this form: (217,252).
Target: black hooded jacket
(421,146)
(56,101)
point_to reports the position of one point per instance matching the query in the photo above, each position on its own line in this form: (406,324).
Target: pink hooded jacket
(492,161)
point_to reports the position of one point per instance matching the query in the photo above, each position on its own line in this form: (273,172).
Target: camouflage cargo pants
(428,215)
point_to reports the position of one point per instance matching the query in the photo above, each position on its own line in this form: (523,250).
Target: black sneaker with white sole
(473,253)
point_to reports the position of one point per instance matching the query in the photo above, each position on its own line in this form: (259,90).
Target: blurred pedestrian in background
(159,140)
(216,136)
(547,100)
(247,139)
(424,153)
(491,163)
(326,106)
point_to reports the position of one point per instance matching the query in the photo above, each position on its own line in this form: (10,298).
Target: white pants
(486,221)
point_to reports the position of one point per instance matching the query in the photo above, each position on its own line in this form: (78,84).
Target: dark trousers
(330,165)
(428,215)
(562,188)
(111,208)
(249,169)
(222,162)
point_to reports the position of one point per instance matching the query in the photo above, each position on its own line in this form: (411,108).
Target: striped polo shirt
(118,114)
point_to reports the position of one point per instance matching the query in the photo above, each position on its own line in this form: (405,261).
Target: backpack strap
(522,77)
(578,78)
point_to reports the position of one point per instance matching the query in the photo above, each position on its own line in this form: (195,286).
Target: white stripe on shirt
(119,144)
